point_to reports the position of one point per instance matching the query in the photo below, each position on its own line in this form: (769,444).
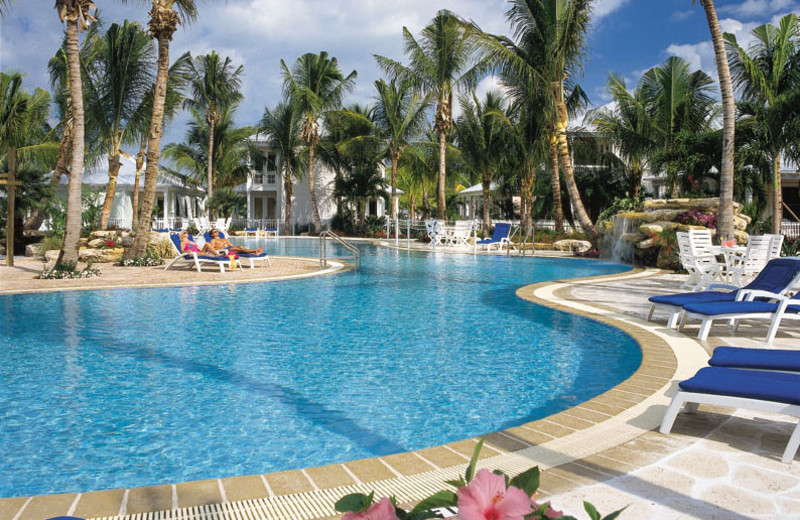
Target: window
(272,163)
(258,163)
(270,178)
(258,178)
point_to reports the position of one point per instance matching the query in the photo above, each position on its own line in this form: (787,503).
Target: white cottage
(176,196)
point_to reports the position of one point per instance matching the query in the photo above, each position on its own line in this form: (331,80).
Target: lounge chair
(502,230)
(760,390)
(756,359)
(698,259)
(460,233)
(743,266)
(251,232)
(251,257)
(779,308)
(777,277)
(195,258)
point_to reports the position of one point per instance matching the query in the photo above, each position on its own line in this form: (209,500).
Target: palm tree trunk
(725,211)
(426,210)
(111,190)
(313,192)
(636,181)
(153,146)
(209,175)
(487,203)
(569,177)
(555,184)
(395,158)
(72,237)
(526,187)
(139,165)
(777,195)
(440,192)
(37,217)
(287,192)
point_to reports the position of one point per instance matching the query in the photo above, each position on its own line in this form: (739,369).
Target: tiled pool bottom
(406,475)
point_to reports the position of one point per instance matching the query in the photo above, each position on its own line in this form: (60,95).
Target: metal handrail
(323,250)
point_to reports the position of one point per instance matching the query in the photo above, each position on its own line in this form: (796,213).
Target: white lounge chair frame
(742,267)
(192,256)
(693,399)
(698,257)
(676,313)
(734,318)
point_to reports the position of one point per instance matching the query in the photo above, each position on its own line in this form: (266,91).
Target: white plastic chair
(741,267)
(776,247)
(698,259)
(435,231)
(460,233)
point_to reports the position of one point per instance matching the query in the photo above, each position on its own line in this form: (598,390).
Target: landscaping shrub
(68,270)
(139,261)
(620,205)
(697,218)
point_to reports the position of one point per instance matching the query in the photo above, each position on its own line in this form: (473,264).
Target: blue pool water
(123,388)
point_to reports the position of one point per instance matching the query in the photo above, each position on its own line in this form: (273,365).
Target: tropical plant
(162,25)
(767,76)
(281,125)
(542,64)
(439,64)
(116,83)
(725,230)
(314,85)
(483,137)
(215,86)
(226,201)
(231,148)
(77,14)
(26,150)
(478,495)
(397,117)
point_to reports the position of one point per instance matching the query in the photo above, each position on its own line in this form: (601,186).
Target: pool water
(134,387)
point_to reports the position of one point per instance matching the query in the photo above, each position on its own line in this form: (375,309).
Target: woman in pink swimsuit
(189,246)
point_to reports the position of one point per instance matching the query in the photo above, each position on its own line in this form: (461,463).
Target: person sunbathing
(187,246)
(224,243)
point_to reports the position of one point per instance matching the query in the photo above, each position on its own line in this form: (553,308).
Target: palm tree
(547,52)
(630,128)
(483,139)
(315,85)
(766,74)
(162,25)
(397,117)
(282,128)
(215,85)
(117,82)
(439,64)
(228,149)
(77,15)
(26,146)
(139,125)
(725,212)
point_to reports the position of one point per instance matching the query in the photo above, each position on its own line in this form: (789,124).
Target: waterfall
(623,237)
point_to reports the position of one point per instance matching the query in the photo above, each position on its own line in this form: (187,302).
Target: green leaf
(527,481)
(355,503)
(615,514)
(440,499)
(473,461)
(456,483)
(593,514)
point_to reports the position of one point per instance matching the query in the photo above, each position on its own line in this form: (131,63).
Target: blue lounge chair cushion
(207,235)
(176,239)
(251,255)
(778,387)
(679,300)
(728,308)
(501,231)
(756,358)
(251,229)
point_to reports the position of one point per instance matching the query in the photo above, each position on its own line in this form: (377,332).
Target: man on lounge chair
(223,243)
(188,246)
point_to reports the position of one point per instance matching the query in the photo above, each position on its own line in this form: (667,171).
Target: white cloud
(760,8)
(680,16)
(603,8)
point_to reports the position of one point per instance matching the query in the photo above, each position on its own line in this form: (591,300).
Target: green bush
(69,270)
(51,241)
(620,205)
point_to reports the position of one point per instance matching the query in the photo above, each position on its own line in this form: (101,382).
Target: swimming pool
(124,388)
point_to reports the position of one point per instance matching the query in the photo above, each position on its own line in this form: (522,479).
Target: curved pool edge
(630,409)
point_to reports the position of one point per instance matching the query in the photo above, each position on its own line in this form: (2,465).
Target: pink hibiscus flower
(549,512)
(383,510)
(487,498)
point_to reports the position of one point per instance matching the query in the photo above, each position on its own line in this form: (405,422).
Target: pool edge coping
(549,442)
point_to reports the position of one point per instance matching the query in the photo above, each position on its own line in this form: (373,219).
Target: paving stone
(655,481)
(467,448)
(151,498)
(738,500)
(502,443)
(288,482)
(200,493)
(407,463)
(760,481)
(47,506)
(10,506)
(244,488)
(700,463)
(442,457)
(99,503)
(529,436)
(369,470)
(330,476)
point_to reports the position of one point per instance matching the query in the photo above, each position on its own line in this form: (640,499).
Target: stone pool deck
(718,463)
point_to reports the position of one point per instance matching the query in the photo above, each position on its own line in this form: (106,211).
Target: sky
(627,37)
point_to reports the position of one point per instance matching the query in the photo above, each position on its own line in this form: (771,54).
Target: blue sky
(627,37)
